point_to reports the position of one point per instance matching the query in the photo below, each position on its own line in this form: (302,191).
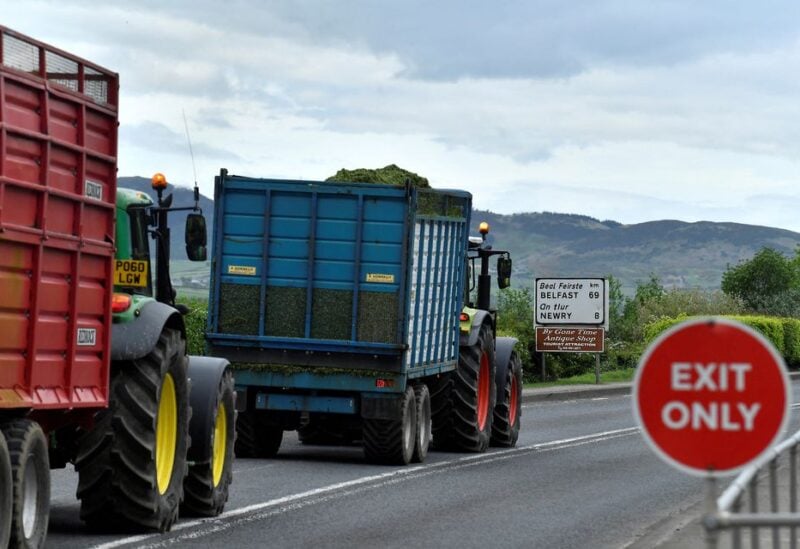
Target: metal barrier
(737,509)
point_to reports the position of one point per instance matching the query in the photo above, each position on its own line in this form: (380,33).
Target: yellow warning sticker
(241,270)
(380,278)
(131,272)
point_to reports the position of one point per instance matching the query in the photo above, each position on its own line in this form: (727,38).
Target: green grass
(609,376)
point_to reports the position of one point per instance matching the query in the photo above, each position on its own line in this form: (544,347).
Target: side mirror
(503,272)
(196,237)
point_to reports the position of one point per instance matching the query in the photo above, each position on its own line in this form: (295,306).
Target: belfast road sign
(711,395)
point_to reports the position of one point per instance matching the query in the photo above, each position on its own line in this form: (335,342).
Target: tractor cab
(480,250)
(138,218)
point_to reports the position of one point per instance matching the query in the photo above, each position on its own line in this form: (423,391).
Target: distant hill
(545,244)
(681,254)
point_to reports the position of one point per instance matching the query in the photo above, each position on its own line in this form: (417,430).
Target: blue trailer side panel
(341,275)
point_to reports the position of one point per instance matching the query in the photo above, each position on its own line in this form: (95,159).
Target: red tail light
(120,303)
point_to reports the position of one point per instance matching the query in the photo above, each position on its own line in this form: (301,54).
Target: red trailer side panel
(58,148)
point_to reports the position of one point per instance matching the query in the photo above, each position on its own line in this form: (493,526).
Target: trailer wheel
(441,407)
(392,441)
(505,427)
(132,463)
(473,395)
(206,486)
(422,441)
(256,437)
(30,473)
(6,492)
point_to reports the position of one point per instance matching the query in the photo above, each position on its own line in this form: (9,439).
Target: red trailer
(58,149)
(70,341)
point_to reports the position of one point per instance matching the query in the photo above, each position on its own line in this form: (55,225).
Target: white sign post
(571,303)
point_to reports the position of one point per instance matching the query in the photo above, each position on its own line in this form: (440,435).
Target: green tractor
(165,443)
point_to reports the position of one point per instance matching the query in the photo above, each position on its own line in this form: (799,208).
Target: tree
(515,317)
(616,307)
(760,279)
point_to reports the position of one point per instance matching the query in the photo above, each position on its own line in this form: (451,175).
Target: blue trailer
(344,310)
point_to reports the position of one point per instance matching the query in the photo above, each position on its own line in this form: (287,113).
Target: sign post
(711,396)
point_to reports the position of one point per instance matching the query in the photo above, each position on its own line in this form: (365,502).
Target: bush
(791,338)
(195,324)
(560,365)
(783,333)
(621,356)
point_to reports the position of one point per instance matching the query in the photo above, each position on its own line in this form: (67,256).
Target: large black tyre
(256,437)
(507,414)
(441,407)
(206,486)
(6,492)
(30,473)
(391,441)
(132,463)
(422,437)
(473,395)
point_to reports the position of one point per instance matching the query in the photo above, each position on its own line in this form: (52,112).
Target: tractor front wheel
(132,463)
(207,484)
(505,428)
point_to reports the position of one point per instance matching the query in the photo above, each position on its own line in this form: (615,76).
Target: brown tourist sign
(570,340)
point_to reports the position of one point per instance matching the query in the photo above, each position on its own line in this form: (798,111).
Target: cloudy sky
(624,110)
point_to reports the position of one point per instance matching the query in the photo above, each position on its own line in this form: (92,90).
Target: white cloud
(689,115)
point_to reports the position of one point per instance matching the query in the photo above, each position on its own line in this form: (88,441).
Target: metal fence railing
(756,518)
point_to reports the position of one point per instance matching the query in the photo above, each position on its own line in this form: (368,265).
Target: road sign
(711,395)
(569,340)
(571,301)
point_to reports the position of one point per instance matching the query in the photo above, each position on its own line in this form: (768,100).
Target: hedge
(195,323)
(783,333)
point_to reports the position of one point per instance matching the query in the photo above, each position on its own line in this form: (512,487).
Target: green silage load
(388,175)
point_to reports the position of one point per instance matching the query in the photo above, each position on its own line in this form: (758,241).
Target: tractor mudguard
(470,339)
(133,340)
(502,354)
(205,373)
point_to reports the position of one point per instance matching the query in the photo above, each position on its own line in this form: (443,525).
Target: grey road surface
(581,476)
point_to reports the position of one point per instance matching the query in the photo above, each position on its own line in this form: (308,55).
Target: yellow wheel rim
(220,443)
(166,433)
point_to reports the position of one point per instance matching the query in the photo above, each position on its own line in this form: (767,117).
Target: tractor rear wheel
(505,427)
(473,395)
(6,492)
(132,463)
(206,486)
(30,473)
(392,441)
(256,437)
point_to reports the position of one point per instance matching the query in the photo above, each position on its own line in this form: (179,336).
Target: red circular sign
(711,395)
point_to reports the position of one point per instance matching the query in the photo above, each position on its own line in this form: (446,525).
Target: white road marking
(293,502)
